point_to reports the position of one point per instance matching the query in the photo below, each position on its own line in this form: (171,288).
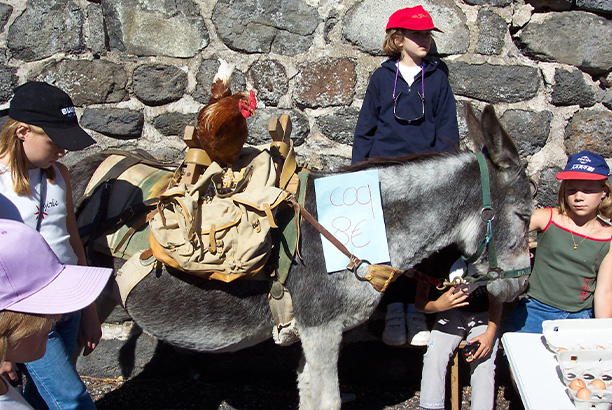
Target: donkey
(429,203)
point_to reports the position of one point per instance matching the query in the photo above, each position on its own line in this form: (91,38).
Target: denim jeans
(52,381)
(529,314)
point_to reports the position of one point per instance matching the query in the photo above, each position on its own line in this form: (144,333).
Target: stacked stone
(140,70)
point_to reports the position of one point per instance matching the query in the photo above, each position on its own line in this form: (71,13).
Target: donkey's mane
(381,162)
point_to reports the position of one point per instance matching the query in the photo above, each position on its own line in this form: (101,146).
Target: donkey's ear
(501,148)
(473,124)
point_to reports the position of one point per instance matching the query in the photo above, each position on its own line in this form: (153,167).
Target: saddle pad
(138,183)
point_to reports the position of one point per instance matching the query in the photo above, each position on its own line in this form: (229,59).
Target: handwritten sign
(349,207)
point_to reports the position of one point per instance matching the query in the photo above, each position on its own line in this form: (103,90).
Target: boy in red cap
(409,108)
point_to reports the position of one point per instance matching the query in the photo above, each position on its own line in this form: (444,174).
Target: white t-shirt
(12,400)
(26,209)
(409,73)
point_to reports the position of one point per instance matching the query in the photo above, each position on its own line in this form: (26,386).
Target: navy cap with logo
(48,107)
(585,165)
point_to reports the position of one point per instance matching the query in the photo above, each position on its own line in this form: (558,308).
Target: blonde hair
(11,147)
(16,326)
(389,47)
(605,207)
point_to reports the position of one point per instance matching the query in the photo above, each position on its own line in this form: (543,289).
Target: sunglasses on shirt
(420,94)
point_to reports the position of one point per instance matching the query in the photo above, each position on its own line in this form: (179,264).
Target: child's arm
(71,223)
(90,331)
(539,220)
(446,301)
(446,116)
(602,302)
(366,125)
(487,339)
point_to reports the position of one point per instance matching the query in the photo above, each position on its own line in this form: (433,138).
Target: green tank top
(562,277)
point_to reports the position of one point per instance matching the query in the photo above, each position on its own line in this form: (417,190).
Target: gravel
(372,377)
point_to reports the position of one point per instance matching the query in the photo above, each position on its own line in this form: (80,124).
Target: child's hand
(486,344)
(90,331)
(9,371)
(533,244)
(450,300)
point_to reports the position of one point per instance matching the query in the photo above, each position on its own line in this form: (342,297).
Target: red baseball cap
(412,18)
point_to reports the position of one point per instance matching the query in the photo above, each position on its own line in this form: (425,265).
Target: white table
(536,372)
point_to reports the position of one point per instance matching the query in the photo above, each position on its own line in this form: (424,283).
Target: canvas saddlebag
(124,182)
(219,227)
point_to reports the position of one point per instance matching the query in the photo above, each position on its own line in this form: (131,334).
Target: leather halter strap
(487,214)
(354,261)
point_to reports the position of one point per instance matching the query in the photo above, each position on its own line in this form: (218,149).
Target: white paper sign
(349,207)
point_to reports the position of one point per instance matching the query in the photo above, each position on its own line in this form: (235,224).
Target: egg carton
(587,365)
(598,399)
(578,334)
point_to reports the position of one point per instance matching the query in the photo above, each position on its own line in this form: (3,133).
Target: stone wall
(140,70)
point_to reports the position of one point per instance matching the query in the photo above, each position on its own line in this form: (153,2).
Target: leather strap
(300,210)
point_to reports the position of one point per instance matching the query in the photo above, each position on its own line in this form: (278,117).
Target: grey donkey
(429,203)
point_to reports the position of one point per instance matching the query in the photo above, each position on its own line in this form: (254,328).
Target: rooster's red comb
(252,100)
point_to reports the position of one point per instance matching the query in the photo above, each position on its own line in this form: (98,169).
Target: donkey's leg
(304,388)
(321,346)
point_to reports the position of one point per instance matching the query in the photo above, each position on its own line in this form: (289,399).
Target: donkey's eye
(525,217)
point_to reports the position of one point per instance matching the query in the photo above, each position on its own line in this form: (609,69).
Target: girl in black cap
(42,125)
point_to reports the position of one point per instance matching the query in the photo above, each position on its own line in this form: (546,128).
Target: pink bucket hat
(412,18)
(33,280)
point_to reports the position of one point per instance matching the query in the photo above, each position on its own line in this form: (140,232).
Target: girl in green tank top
(572,272)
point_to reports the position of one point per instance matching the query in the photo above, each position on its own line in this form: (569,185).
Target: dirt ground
(372,377)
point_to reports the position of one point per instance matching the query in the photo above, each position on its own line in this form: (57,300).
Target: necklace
(583,239)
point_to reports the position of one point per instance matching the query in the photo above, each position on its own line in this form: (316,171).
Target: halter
(487,214)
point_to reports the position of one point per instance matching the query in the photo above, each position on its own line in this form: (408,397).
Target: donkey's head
(511,203)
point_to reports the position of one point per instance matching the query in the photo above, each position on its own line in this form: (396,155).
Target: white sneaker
(395,325)
(418,334)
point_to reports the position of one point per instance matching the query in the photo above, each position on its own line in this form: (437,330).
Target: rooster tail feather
(225,72)
(220,86)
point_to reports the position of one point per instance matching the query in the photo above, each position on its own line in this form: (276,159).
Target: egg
(577,384)
(583,394)
(598,384)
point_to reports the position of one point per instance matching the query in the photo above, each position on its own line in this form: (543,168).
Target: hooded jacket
(380,134)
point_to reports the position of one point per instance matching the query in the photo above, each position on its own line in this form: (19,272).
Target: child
(42,125)
(409,108)
(572,272)
(33,294)
(474,317)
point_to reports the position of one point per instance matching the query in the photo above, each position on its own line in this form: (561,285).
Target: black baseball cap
(48,107)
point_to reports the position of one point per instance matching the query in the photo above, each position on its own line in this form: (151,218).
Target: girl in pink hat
(33,294)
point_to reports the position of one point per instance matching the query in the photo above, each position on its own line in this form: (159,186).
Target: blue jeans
(530,313)
(53,382)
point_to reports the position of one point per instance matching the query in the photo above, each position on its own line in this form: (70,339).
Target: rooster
(222,128)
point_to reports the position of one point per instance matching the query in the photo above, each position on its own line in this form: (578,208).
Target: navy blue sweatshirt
(380,134)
